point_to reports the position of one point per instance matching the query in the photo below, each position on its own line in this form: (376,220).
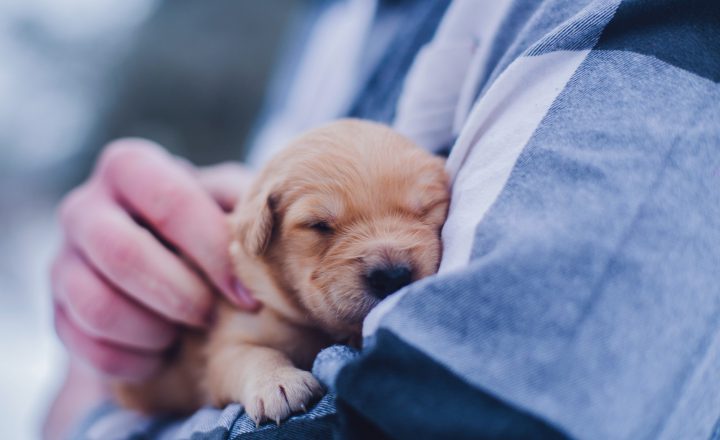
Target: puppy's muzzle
(384,280)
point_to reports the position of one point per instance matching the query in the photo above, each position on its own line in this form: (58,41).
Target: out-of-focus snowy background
(76,73)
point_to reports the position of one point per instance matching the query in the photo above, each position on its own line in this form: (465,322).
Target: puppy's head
(345,216)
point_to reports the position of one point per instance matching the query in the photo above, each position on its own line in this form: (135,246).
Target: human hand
(145,246)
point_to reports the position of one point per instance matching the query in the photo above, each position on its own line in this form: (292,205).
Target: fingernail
(243,295)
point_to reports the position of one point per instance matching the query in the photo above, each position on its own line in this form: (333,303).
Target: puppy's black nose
(386,280)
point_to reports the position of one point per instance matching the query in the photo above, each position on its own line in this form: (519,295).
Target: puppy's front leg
(263,379)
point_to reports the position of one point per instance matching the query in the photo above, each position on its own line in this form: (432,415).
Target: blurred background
(74,74)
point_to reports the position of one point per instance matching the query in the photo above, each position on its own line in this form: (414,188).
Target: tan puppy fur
(340,205)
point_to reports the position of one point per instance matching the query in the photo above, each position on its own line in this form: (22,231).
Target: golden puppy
(346,215)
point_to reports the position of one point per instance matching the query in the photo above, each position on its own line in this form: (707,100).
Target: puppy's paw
(281,393)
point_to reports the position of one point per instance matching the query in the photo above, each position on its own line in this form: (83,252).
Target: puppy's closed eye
(321,227)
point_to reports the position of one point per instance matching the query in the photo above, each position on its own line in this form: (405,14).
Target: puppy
(346,215)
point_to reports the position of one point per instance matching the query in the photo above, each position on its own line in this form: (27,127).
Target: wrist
(82,390)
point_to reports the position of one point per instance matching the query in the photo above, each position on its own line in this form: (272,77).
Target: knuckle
(116,253)
(122,152)
(97,311)
(170,201)
(88,299)
(72,203)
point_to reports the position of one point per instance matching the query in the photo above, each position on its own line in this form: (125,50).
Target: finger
(133,260)
(226,183)
(170,200)
(104,313)
(109,359)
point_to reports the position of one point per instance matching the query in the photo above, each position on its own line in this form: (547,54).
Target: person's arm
(144,251)
(80,391)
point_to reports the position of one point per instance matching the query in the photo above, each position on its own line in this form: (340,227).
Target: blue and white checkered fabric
(109,422)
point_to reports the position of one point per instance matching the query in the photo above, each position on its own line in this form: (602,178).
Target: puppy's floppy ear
(254,220)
